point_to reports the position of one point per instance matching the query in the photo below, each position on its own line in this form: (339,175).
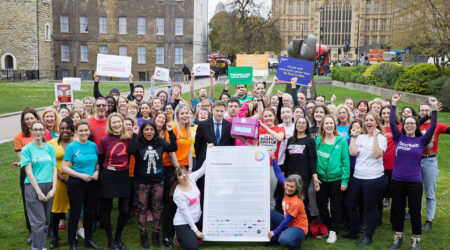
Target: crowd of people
(339,165)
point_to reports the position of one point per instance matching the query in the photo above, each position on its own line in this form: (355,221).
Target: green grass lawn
(13,232)
(42,94)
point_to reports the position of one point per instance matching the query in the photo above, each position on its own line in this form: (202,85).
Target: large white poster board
(113,66)
(201,69)
(237,200)
(74,82)
(162,74)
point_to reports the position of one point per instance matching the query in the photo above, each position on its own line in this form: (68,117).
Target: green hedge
(416,78)
(383,74)
(349,74)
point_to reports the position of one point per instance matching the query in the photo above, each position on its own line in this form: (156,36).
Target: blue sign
(291,67)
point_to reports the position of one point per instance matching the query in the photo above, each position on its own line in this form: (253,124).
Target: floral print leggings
(149,195)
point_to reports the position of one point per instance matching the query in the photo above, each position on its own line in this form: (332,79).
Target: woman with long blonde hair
(51,120)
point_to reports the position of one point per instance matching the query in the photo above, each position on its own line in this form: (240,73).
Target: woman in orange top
(289,230)
(182,157)
(22,138)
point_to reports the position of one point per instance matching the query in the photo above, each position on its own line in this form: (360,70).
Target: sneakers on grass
(332,237)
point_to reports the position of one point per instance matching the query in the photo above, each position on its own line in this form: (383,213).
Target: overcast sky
(212,5)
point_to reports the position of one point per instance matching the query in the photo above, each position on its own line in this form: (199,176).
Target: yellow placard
(260,63)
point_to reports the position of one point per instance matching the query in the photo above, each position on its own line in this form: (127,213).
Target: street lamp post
(320,35)
(357,42)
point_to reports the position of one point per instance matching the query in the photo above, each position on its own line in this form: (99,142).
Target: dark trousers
(54,222)
(22,189)
(169,208)
(84,194)
(187,238)
(400,190)
(106,205)
(291,237)
(330,191)
(372,194)
(388,178)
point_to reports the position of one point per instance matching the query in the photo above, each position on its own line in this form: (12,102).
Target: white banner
(161,74)
(113,66)
(201,69)
(74,82)
(237,200)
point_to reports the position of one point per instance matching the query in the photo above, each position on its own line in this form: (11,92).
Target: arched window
(47,32)
(8,61)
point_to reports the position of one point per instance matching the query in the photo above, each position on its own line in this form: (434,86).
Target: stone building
(363,24)
(26,39)
(154,33)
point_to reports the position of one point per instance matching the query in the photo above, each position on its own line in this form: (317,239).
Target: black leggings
(22,188)
(106,205)
(84,194)
(54,222)
(188,239)
(169,208)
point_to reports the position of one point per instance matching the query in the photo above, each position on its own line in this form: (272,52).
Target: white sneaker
(80,232)
(332,237)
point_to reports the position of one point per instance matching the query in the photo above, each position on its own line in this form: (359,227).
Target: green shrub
(348,74)
(383,74)
(436,85)
(444,97)
(416,78)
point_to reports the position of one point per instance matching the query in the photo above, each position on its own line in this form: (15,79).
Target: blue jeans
(430,173)
(291,237)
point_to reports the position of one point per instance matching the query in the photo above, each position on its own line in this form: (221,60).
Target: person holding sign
(202,92)
(289,229)
(113,92)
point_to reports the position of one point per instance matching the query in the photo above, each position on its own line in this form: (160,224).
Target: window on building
(374,39)
(367,25)
(85,75)
(48,36)
(141,76)
(83,24)
(306,8)
(84,53)
(141,25)
(103,49)
(159,55)
(366,40)
(290,25)
(375,24)
(141,55)
(375,7)
(297,24)
(122,25)
(383,6)
(159,26)
(65,73)
(64,24)
(65,52)
(382,39)
(383,24)
(122,51)
(102,25)
(299,8)
(179,25)
(368,5)
(305,25)
(291,8)
(178,55)
(9,62)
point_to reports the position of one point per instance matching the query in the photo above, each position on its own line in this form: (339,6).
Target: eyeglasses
(100,105)
(424,110)
(38,130)
(241,87)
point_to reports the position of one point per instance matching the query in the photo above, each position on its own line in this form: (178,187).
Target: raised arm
(276,168)
(152,87)
(211,84)
(130,97)
(272,86)
(97,93)
(192,87)
(172,146)
(394,129)
(294,91)
(430,132)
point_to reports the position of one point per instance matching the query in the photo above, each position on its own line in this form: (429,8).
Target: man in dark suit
(215,130)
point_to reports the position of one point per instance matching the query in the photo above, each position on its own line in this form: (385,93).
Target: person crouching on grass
(289,229)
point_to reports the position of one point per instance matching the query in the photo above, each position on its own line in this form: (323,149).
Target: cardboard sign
(260,63)
(113,66)
(63,93)
(161,74)
(291,67)
(74,82)
(240,75)
(201,69)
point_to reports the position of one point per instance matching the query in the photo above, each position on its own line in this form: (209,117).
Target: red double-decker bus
(322,57)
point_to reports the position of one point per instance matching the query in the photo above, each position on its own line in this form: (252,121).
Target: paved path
(10,125)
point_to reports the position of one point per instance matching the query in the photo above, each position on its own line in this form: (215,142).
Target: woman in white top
(186,196)
(368,178)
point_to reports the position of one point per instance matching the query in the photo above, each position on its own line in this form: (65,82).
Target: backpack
(318,229)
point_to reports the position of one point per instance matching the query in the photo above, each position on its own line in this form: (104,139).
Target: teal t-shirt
(323,154)
(53,133)
(42,161)
(83,157)
(343,131)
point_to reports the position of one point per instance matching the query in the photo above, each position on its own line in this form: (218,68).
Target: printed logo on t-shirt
(151,156)
(430,145)
(268,142)
(296,149)
(78,154)
(323,154)
(406,146)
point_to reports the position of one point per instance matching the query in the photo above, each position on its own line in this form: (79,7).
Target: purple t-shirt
(141,120)
(408,150)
